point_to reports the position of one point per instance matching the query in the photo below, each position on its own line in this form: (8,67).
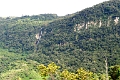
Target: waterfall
(38,36)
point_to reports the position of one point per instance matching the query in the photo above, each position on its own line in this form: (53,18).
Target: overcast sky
(35,7)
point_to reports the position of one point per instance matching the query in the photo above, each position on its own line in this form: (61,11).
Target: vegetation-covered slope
(84,39)
(18,34)
(14,66)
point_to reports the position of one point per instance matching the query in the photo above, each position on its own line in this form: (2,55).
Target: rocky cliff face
(98,23)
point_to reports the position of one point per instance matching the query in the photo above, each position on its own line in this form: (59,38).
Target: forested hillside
(88,38)
(85,39)
(18,34)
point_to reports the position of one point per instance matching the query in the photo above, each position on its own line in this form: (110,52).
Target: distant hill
(84,39)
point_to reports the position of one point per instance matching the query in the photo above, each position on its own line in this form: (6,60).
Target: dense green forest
(89,38)
(16,67)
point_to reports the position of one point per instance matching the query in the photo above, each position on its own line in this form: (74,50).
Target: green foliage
(89,46)
(49,70)
(66,75)
(80,74)
(12,31)
(84,75)
(60,43)
(15,67)
(114,72)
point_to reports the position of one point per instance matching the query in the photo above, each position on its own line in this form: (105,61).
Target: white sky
(35,7)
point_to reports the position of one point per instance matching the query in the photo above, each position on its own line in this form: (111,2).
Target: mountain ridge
(83,39)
